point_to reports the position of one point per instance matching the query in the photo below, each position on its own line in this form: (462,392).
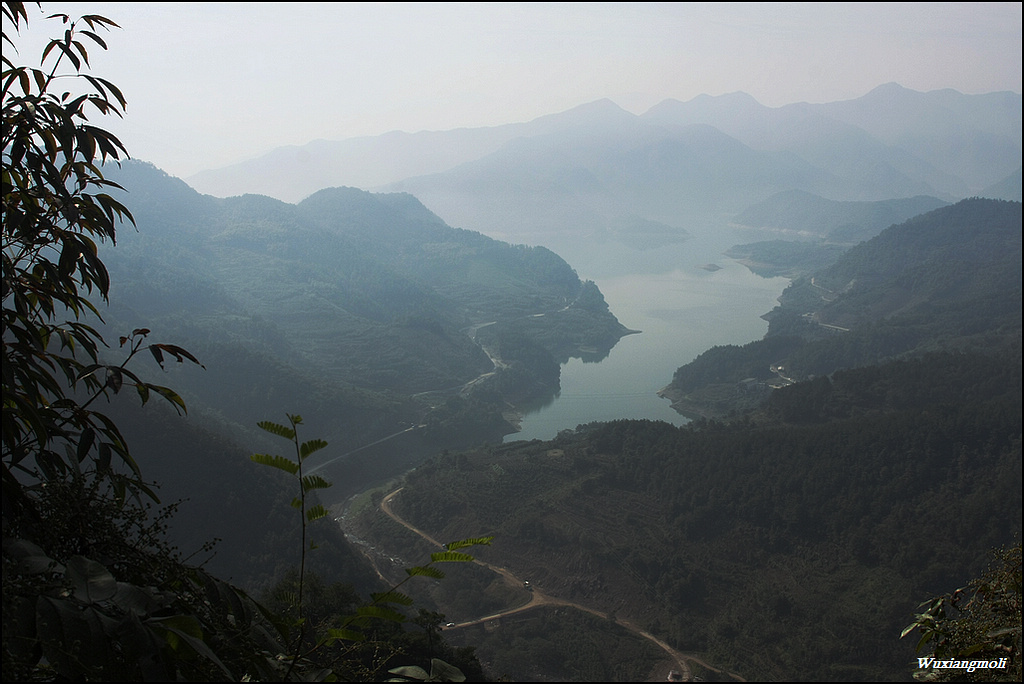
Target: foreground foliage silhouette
(347,629)
(55,210)
(981,621)
(91,588)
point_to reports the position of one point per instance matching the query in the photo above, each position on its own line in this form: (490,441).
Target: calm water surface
(682,311)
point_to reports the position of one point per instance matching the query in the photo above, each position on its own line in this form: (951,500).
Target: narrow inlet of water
(681,313)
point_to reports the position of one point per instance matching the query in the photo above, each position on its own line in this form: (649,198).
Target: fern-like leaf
(392,597)
(276,429)
(314,482)
(381,613)
(316,512)
(464,543)
(450,557)
(310,447)
(424,571)
(279,462)
(346,634)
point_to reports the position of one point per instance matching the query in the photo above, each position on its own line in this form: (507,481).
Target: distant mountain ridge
(1008,188)
(944,129)
(596,181)
(971,139)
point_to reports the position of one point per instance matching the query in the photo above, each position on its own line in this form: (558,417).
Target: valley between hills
(792,529)
(782,534)
(469,339)
(785,533)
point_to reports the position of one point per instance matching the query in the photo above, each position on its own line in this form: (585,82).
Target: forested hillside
(162,522)
(796,539)
(813,232)
(808,216)
(947,279)
(364,313)
(792,545)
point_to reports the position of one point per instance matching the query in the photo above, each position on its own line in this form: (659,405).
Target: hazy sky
(210,84)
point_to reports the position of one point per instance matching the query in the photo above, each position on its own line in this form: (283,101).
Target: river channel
(683,306)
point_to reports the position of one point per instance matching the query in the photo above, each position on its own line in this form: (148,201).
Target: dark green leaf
(90,580)
(279,462)
(85,442)
(31,559)
(450,557)
(392,597)
(424,571)
(310,482)
(441,671)
(276,429)
(411,671)
(380,613)
(461,544)
(316,512)
(134,599)
(310,447)
(346,634)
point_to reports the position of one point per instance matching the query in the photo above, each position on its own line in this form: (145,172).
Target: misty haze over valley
(734,387)
(685,226)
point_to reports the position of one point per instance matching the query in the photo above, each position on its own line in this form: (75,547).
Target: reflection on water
(596,356)
(538,404)
(681,312)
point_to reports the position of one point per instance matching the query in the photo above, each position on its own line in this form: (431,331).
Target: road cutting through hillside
(539,598)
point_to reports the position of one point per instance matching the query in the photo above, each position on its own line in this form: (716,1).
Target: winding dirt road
(539,598)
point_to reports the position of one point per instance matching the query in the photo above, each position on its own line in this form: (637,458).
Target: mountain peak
(890,87)
(888,92)
(704,109)
(599,114)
